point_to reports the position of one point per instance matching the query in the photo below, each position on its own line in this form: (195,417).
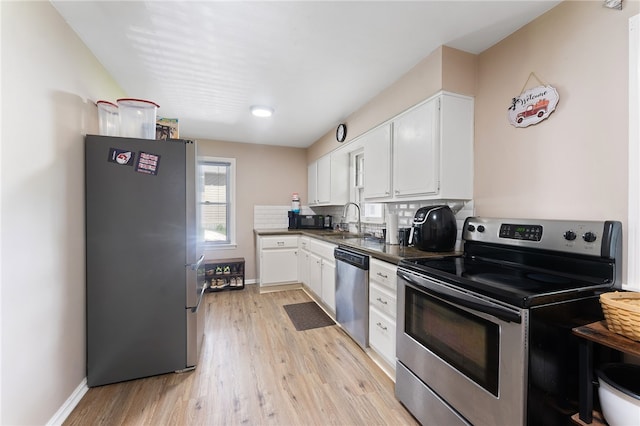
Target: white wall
(50,82)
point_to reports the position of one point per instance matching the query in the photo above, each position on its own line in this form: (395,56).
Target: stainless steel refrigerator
(145,274)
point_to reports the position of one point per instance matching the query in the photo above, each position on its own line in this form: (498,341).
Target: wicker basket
(622,312)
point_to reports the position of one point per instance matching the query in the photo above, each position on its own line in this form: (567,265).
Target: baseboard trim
(327,310)
(63,412)
(279,287)
(389,370)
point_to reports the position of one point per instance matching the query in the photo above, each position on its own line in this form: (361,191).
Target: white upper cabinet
(415,151)
(328,179)
(456,147)
(323,180)
(430,154)
(377,160)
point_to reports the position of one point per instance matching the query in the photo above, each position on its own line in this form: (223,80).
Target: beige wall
(50,82)
(459,71)
(574,164)
(265,175)
(419,83)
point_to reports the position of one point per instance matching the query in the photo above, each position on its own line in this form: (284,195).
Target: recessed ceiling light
(261,111)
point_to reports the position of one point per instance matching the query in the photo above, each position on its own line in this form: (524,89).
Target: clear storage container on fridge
(108,119)
(137,118)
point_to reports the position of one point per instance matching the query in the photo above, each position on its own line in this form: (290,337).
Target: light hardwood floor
(254,369)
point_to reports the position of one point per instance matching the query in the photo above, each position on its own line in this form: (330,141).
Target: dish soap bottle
(295,203)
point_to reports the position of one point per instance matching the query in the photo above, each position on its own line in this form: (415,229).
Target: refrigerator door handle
(195,308)
(195,266)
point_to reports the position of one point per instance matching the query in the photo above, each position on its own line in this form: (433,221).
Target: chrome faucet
(344,214)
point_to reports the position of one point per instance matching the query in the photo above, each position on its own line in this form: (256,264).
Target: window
(359,170)
(217,196)
(370,212)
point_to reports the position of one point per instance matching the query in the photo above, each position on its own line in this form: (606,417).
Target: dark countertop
(372,247)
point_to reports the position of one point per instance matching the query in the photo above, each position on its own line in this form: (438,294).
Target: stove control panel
(594,238)
(521,232)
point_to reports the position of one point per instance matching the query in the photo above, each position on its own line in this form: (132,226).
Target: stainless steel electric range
(484,338)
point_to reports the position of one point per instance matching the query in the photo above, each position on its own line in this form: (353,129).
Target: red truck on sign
(539,109)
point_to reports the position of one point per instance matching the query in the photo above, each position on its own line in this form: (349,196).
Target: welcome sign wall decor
(533,106)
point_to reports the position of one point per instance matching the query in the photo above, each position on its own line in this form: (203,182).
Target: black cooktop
(529,262)
(516,285)
(524,262)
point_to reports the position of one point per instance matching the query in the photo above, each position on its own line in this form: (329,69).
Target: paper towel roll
(392,229)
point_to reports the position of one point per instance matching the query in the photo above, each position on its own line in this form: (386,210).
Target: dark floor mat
(308,315)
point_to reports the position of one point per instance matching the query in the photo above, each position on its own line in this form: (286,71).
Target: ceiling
(314,62)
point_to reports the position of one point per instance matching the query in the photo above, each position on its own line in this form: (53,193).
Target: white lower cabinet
(303,261)
(382,336)
(322,272)
(329,283)
(315,274)
(278,260)
(382,310)
(382,299)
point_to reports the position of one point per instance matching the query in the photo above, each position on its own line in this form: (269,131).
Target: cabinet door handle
(380,274)
(384,302)
(381,326)
(280,243)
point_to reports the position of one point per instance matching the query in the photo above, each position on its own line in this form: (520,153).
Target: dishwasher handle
(359,260)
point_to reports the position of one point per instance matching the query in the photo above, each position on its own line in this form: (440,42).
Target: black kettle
(434,229)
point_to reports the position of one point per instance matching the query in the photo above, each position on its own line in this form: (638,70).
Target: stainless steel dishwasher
(352,293)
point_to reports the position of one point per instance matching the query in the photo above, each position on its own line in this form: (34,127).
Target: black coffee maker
(434,229)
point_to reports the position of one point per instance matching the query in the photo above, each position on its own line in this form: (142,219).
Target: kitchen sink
(372,244)
(346,237)
(357,240)
(336,235)
(349,236)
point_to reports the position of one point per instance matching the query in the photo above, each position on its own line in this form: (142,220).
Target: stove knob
(569,235)
(480,228)
(589,237)
(471,228)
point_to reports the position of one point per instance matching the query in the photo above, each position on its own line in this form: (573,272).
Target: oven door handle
(460,298)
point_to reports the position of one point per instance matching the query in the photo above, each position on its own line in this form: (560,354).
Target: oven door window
(467,342)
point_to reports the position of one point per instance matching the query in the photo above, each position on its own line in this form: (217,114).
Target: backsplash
(406,211)
(276,217)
